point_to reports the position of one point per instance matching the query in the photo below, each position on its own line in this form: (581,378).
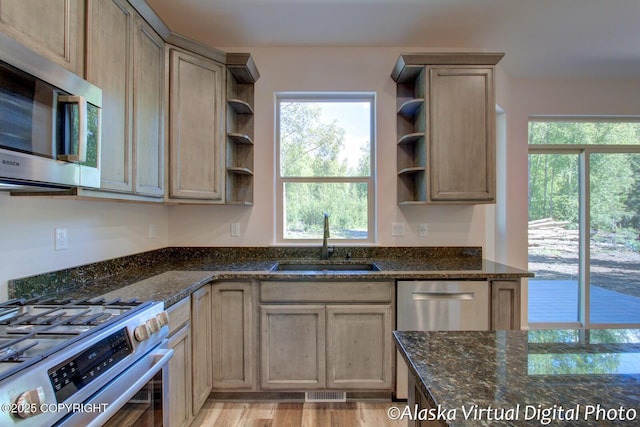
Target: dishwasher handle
(437,296)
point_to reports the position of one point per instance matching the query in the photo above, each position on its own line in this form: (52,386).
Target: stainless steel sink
(326,266)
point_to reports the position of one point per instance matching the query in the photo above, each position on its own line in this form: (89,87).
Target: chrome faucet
(325,237)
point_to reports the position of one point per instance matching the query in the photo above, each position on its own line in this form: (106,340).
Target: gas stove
(59,351)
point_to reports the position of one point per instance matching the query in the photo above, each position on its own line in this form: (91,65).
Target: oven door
(136,397)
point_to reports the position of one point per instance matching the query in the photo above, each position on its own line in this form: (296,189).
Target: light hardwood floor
(274,414)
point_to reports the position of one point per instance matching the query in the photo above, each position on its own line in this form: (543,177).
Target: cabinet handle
(81,155)
(432,296)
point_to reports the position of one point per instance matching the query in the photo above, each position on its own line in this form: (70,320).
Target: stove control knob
(153,325)
(141,333)
(163,318)
(29,403)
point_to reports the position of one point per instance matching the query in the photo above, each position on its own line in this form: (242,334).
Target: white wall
(96,231)
(326,69)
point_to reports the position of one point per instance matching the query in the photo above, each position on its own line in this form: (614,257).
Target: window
(584,223)
(325,164)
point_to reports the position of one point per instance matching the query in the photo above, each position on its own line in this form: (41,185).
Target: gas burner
(34,328)
(13,352)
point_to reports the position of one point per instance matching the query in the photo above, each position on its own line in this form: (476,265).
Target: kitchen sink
(326,266)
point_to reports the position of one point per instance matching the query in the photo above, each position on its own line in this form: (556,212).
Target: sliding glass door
(584,224)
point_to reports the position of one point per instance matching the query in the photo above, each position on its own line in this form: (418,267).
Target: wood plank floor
(275,414)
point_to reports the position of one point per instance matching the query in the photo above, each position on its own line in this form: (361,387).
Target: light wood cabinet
(293,348)
(54,28)
(505,304)
(446,128)
(201,334)
(420,402)
(180,407)
(126,60)
(148,111)
(234,336)
(359,347)
(196,127)
(326,335)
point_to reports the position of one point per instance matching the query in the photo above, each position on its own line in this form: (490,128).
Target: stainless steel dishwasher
(439,306)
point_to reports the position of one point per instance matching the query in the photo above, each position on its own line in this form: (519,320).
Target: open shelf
(410,107)
(241,76)
(239,106)
(240,138)
(411,135)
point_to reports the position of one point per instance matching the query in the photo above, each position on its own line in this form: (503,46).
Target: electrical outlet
(152,231)
(397,229)
(60,239)
(422,230)
(235,229)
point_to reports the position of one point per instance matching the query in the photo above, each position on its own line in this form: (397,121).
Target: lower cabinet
(293,349)
(201,346)
(234,336)
(314,339)
(505,304)
(359,347)
(419,404)
(180,408)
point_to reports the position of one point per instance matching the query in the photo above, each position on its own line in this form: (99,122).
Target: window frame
(370,180)
(584,152)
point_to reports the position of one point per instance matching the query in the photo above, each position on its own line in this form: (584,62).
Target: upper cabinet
(52,28)
(196,127)
(241,76)
(126,59)
(177,115)
(446,127)
(210,126)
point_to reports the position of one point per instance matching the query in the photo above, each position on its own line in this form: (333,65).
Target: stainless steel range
(81,363)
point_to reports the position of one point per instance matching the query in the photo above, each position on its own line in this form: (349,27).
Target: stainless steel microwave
(49,123)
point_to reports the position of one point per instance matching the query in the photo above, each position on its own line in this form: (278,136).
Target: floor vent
(325,396)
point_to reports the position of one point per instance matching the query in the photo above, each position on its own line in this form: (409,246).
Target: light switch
(235,229)
(397,229)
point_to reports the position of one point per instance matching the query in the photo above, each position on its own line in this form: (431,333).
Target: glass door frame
(584,152)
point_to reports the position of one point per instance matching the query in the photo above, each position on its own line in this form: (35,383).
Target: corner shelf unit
(411,129)
(241,77)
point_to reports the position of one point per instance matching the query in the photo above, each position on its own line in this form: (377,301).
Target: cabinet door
(179,388)
(148,119)
(196,127)
(108,67)
(359,347)
(293,347)
(505,304)
(462,135)
(233,336)
(52,28)
(419,401)
(201,346)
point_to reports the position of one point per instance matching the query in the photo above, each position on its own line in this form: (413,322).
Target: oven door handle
(161,357)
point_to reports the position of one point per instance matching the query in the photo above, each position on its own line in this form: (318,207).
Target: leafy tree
(310,148)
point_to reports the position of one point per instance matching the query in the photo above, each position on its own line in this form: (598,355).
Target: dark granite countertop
(542,377)
(172,273)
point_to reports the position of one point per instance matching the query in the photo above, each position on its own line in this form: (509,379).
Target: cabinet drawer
(179,314)
(327,292)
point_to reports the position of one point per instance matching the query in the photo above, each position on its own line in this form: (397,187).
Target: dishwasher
(438,306)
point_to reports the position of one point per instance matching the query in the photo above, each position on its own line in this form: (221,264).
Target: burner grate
(31,327)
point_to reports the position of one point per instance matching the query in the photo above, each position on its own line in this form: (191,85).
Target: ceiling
(541,38)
